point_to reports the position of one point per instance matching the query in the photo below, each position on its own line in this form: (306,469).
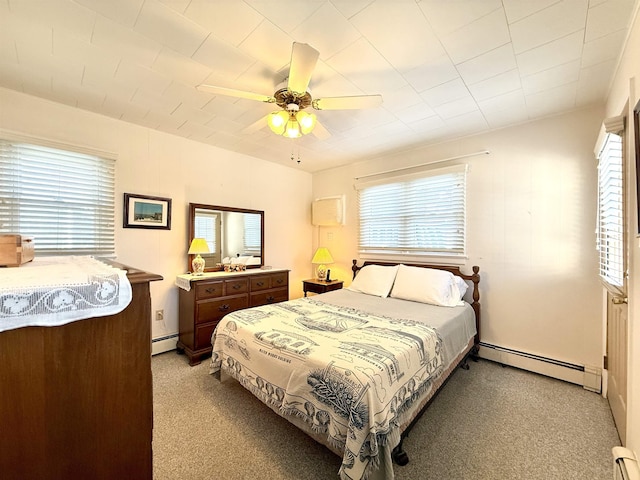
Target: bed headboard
(474,278)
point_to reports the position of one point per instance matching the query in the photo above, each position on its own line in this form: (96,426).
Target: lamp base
(198,265)
(321,272)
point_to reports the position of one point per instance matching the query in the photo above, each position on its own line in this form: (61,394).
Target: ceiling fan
(292,121)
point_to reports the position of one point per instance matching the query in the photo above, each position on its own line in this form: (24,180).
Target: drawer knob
(260,284)
(279,280)
(210,290)
(224,308)
(237,286)
(270,298)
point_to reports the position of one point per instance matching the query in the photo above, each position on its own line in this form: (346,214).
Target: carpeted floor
(489,423)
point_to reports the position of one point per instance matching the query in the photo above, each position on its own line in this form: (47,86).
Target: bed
(355,368)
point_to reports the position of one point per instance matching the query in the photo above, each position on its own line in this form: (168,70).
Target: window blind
(252,234)
(205,227)
(415,214)
(610,231)
(62,198)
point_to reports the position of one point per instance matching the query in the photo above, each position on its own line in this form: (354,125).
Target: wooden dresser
(213,295)
(76,400)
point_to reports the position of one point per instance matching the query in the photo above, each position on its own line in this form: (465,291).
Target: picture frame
(143,211)
(636,133)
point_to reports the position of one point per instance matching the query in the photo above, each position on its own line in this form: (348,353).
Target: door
(617,314)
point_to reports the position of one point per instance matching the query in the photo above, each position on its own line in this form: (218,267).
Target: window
(252,234)
(420,214)
(206,226)
(64,199)
(610,230)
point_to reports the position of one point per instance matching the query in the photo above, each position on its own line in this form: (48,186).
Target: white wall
(531,207)
(624,95)
(158,164)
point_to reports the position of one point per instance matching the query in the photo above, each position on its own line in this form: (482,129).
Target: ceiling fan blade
(347,103)
(236,93)
(320,131)
(303,62)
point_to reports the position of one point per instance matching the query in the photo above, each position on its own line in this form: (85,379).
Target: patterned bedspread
(348,374)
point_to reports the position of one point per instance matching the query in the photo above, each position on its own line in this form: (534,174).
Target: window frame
(452,249)
(77,226)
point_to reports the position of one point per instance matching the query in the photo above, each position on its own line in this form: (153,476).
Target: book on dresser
(205,299)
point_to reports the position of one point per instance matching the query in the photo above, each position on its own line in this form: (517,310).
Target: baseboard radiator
(163,344)
(625,464)
(587,376)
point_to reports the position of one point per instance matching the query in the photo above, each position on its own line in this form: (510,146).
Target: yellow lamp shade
(307,121)
(293,128)
(321,258)
(277,121)
(198,246)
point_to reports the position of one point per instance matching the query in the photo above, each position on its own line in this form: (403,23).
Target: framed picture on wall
(141,211)
(636,133)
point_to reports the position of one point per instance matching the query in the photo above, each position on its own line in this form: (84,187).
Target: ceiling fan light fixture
(293,128)
(307,121)
(278,121)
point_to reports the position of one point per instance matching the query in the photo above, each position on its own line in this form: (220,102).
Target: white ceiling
(444,68)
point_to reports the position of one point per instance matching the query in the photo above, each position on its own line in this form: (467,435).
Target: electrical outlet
(159,315)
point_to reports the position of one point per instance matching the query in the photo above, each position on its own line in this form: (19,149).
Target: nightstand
(320,286)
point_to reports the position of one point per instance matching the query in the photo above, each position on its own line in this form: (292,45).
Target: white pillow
(374,280)
(462,285)
(426,285)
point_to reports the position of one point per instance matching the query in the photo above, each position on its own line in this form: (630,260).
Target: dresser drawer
(211,310)
(273,280)
(206,290)
(236,286)
(269,296)
(203,335)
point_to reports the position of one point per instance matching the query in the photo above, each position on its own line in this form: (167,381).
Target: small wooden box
(15,250)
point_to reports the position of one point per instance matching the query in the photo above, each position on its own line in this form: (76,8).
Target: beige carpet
(489,423)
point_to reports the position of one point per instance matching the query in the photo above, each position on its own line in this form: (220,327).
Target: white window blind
(62,198)
(414,215)
(252,234)
(610,231)
(205,224)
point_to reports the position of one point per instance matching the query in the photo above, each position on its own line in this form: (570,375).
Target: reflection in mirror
(234,235)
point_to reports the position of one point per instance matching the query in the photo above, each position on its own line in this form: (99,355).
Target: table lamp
(321,258)
(198,246)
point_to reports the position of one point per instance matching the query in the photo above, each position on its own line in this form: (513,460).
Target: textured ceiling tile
(514,100)
(169,28)
(447,92)
(156,102)
(548,101)
(142,77)
(456,108)
(402,98)
(287,15)
(179,93)
(519,9)
(554,53)
(222,58)
(70,48)
(480,36)
(182,69)
(366,68)
(503,118)
(594,82)
(124,42)
(603,48)
(552,23)
(314,31)
(229,21)
(487,65)
(349,8)
(608,17)
(431,74)
(124,12)
(57,14)
(270,45)
(495,86)
(551,78)
(446,17)
(410,44)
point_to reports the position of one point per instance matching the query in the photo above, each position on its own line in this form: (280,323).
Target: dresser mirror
(233,235)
